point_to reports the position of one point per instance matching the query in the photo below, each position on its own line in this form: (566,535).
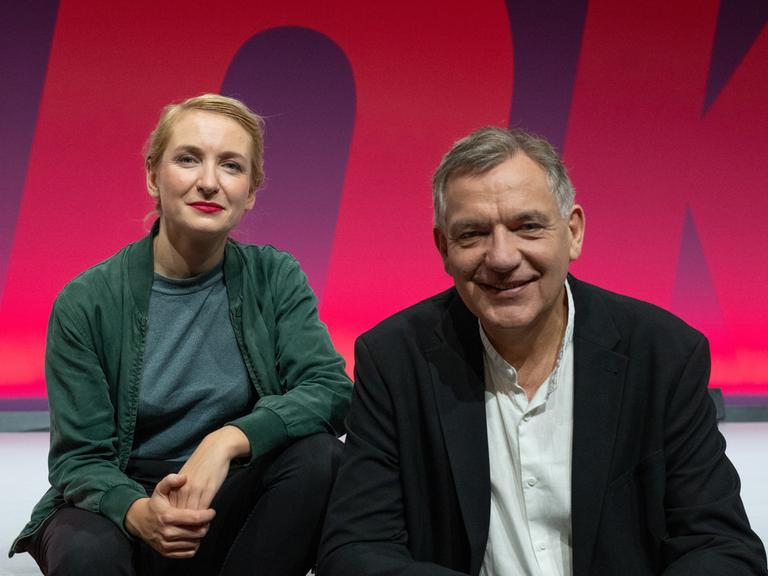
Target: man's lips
(207,207)
(504,288)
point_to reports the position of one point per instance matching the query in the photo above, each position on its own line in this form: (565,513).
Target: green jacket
(95,355)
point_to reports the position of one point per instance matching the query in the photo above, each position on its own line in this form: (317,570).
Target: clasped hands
(176,518)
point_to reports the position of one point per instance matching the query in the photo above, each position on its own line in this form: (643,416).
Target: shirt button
(541,546)
(531,481)
(526,418)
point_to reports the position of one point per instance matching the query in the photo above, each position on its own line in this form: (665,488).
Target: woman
(194,394)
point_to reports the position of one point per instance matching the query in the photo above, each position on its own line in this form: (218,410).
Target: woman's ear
(151,175)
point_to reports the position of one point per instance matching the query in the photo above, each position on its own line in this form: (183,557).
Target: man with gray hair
(524,422)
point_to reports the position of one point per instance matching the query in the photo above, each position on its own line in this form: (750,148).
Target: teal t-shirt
(194,378)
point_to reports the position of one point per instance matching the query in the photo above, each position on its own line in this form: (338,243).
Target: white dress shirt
(529,450)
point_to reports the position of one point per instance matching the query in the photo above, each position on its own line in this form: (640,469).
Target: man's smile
(510,288)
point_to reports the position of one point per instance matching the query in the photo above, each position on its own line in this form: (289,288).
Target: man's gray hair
(485,149)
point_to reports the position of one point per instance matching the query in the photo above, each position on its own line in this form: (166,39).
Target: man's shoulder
(416,321)
(633,318)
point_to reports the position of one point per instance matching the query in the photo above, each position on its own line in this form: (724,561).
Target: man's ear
(441,243)
(576,225)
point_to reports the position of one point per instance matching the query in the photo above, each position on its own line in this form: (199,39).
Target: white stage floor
(23,457)
(24,479)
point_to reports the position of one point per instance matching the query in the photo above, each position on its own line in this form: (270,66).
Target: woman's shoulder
(265,258)
(261,253)
(103,280)
(265,270)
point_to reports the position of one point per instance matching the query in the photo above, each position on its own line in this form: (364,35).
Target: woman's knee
(80,542)
(321,455)
(315,459)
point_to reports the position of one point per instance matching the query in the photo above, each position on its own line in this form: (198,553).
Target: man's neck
(533,352)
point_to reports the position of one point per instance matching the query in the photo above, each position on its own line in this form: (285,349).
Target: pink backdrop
(659,108)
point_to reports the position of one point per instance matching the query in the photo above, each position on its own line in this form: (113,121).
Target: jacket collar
(594,322)
(140,261)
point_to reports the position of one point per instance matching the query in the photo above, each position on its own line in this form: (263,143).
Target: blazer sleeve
(365,531)
(708,530)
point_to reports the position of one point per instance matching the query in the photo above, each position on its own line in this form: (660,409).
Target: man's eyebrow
(523,216)
(528,215)
(465,223)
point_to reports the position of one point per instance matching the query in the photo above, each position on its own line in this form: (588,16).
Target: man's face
(508,248)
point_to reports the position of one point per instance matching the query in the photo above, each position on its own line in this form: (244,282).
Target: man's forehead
(517,170)
(506,189)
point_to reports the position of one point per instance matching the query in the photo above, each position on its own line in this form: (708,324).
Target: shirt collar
(502,365)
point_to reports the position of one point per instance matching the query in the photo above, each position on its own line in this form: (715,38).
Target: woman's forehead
(209,130)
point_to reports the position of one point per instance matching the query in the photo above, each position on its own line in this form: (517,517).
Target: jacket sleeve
(365,531)
(707,527)
(83,459)
(314,390)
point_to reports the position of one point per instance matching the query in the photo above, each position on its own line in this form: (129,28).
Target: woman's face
(203,180)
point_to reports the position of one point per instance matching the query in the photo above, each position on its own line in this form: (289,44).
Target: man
(524,422)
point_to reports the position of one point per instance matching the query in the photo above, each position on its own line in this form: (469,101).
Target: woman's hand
(173,532)
(208,466)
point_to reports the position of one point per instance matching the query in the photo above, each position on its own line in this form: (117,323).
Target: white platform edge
(24,479)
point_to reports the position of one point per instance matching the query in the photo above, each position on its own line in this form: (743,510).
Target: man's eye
(531,227)
(469,235)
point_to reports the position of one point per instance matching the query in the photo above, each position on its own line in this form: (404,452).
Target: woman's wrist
(232,441)
(134,516)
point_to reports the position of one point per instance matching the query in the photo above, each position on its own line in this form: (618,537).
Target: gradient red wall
(660,110)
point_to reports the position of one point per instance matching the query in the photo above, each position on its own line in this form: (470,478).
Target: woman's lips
(207,207)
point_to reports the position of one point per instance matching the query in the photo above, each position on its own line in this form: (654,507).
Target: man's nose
(503,252)
(208,183)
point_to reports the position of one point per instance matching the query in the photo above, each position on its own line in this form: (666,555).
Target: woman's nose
(208,182)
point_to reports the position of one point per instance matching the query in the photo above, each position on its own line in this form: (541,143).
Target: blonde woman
(195,396)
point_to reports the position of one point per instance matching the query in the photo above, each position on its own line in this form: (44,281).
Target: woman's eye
(233,166)
(186,159)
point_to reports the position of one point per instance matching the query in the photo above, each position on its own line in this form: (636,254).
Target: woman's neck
(179,256)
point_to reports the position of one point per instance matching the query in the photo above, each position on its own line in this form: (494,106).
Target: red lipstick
(207,207)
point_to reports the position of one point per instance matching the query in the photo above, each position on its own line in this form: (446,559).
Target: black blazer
(652,490)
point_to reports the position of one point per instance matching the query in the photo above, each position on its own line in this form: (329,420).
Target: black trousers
(268,521)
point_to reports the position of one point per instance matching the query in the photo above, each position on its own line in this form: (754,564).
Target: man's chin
(509,322)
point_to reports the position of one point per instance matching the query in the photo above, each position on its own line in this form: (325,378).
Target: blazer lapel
(456,366)
(599,375)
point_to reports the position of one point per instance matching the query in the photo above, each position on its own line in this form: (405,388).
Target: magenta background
(660,109)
